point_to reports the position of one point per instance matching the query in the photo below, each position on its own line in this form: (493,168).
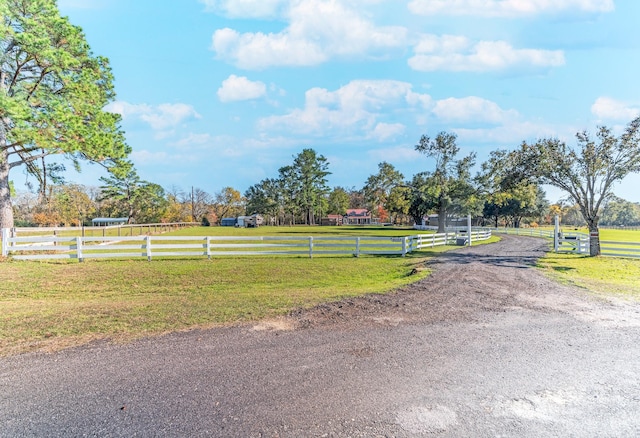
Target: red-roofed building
(357,216)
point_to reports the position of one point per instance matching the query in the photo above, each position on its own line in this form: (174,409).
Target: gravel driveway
(485,346)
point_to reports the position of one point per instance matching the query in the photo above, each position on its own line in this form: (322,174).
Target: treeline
(299,194)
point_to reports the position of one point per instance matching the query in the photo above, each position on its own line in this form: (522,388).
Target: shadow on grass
(563,268)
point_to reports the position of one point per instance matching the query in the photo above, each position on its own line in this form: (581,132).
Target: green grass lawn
(602,275)
(51,305)
(55,304)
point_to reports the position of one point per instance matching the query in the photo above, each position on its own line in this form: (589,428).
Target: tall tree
(265,198)
(131,197)
(587,172)
(423,196)
(52,94)
(356,198)
(378,187)
(398,203)
(506,197)
(200,202)
(73,204)
(618,211)
(338,201)
(450,182)
(229,202)
(305,184)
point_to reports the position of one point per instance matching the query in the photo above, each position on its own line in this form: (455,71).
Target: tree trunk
(6,209)
(594,240)
(442,217)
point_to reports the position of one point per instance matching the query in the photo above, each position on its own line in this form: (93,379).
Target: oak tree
(450,182)
(587,172)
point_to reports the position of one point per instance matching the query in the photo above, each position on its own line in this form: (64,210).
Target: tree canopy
(53,91)
(587,172)
(449,185)
(129,196)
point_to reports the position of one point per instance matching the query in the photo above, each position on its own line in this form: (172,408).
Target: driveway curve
(485,346)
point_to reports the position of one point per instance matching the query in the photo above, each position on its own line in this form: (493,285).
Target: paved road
(484,347)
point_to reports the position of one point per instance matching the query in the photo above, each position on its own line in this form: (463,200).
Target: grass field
(47,306)
(52,305)
(602,275)
(609,234)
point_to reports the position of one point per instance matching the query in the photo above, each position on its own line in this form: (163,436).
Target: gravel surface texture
(486,346)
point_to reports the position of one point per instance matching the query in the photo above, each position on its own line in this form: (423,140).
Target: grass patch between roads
(51,305)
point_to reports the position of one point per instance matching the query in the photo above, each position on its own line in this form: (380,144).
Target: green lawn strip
(601,275)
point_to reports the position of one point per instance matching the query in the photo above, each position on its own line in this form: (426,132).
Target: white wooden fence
(120,230)
(81,248)
(620,249)
(567,242)
(578,243)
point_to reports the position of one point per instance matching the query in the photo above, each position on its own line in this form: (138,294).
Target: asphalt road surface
(486,346)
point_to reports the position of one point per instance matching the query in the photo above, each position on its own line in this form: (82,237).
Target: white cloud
(358,107)
(236,88)
(605,108)
(318,31)
(387,131)
(472,109)
(149,157)
(457,53)
(507,8)
(160,117)
(395,154)
(508,134)
(193,140)
(246,8)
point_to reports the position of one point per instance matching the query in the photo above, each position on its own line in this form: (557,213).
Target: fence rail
(81,248)
(620,249)
(119,230)
(578,243)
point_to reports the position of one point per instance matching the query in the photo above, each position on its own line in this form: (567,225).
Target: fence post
(209,247)
(556,233)
(310,247)
(79,248)
(469,229)
(404,246)
(148,247)
(357,247)
(5,242)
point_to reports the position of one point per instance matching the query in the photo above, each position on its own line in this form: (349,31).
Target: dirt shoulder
(485,346)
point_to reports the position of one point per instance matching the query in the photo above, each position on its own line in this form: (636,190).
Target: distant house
(228,222)
(332,219)
(433,219)
(357,216)
(106,221)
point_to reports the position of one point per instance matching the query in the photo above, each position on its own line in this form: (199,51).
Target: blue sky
(217,93)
